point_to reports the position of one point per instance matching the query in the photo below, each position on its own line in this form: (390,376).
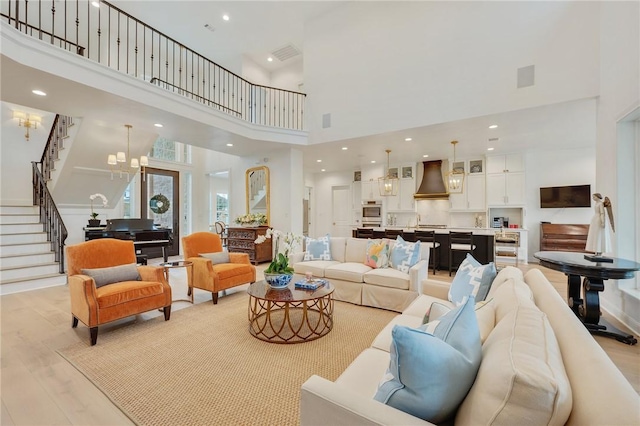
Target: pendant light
(388,184)
(455,176)
(118,161)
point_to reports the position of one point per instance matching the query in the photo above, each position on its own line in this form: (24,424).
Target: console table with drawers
(242,240)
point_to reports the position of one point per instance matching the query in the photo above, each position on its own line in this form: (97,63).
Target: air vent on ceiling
(493,139)
(287,52)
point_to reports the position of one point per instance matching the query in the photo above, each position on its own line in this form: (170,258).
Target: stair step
(27,259)
(20,285)
(26,272)
(25,238)
(19,210)
(19,228)
(7,219)
(18,249)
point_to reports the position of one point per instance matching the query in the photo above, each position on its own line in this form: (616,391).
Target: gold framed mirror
(257,190)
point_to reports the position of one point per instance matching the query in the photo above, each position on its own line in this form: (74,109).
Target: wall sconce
(27,121)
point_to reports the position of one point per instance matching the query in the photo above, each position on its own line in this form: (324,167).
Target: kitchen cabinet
(472,197)
(356,195)
(369,190)
(505,180)
(403,201)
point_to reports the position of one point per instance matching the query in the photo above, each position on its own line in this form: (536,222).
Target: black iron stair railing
(49,216)
(109,36)
(57,135)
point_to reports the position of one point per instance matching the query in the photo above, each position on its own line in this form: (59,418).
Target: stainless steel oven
(372,212)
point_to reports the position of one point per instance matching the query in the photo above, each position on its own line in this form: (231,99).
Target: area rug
(204,368)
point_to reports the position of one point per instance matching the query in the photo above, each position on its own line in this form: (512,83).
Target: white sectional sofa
(529,336)
(358,283)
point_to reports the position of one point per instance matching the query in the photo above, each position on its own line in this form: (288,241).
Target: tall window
(168,150)
(222,208)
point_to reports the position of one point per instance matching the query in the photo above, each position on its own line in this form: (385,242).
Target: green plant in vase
(279,273)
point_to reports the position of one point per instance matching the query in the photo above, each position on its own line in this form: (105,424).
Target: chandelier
(118,161)
(388,184)
(455,176)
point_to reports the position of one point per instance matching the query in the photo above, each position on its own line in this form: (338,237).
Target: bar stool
(461,242)
(379,234)
(392,234)
(429,238)
(364,232)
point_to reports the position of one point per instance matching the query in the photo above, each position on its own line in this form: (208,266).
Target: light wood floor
(38,387)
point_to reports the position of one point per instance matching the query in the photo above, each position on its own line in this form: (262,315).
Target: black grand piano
(148,239)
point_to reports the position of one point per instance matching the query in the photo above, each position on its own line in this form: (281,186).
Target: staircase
(27,261)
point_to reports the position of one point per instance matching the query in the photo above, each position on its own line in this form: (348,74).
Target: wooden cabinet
(505,180)
(563,237)
(241,240)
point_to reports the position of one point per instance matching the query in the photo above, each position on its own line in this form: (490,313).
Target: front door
(160,201)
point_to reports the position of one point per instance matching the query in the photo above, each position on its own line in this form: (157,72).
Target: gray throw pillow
(218,257)
(113,274)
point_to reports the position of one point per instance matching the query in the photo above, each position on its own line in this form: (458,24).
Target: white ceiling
(255,29)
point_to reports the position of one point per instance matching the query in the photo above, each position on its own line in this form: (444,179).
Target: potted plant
(94,221)
(279,273)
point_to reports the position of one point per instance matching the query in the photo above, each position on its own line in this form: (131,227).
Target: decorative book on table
(311,284)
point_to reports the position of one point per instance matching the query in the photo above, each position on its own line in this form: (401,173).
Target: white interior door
(341,211)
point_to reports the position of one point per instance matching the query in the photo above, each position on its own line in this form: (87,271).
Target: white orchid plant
(104,203)
(280,263)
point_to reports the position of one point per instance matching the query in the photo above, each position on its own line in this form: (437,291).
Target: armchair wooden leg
(214,297)
(167,312)
(189,291)
(74,322)
(94,335)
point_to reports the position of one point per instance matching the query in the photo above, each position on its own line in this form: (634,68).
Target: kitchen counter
(476,231)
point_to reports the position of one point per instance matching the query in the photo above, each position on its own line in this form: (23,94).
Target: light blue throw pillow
(472,278)
(318,249)
(404,255)
(429,375)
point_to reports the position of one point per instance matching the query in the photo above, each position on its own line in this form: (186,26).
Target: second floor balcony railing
(105,34)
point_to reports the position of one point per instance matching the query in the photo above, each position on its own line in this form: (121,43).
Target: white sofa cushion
(363,374)
(317,267)
(522,376)
(504,275)
(429,375)
(421,305)
(387,277)
(356,250)
(338,248)
(511,294)
(383,339)
(348,271)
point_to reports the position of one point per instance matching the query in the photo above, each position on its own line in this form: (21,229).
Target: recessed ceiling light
(95,4)
(270,59)
(373,161)
(229,144)
(493,126)
(322,170)
(38,92)
(158,125)
(425,156)
(489,149)
(225,17)
(318,161)
(407,139)
(344,148)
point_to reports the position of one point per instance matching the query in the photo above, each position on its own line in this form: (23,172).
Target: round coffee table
(289,315)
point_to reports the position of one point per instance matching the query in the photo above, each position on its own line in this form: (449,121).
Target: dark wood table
(586,304)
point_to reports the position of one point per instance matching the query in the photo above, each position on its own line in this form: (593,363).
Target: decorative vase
(94,222)
(277,281)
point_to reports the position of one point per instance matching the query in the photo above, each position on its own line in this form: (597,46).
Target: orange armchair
(95,306)
(218,277)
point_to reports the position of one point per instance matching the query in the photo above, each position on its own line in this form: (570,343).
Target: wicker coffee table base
(291,321)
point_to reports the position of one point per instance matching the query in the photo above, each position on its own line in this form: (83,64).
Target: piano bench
(141,259)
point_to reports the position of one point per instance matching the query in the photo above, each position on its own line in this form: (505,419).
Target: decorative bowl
(277,280)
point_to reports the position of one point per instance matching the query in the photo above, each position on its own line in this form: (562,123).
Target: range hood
(432,185)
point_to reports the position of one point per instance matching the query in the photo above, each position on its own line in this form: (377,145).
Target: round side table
(180,264)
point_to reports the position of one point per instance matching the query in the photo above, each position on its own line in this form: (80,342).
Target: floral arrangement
(280,264)
(251,218)
(104,203)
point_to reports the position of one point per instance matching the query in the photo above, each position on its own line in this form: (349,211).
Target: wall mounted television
(565,196)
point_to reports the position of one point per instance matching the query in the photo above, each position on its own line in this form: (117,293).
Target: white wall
(322,193)
(16,154)
(556,168)
(254,72)
(289,77)
(383,66)
(619,95)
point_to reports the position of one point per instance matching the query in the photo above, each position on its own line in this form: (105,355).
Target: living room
(445,94)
